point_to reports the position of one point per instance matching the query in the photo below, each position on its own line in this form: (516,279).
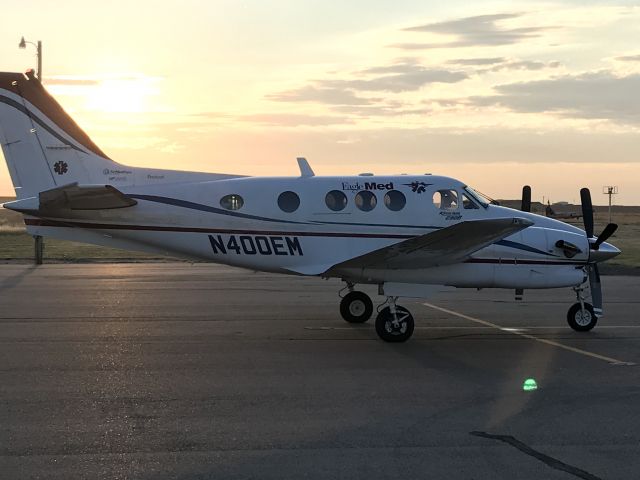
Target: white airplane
(403,233)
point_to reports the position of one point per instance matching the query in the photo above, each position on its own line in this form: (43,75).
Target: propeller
(595,288)
(592,267)
(525,206)
(609,230)
(526,199)
(587,217)
(587,211)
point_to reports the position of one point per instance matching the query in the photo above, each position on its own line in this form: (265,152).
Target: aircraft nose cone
(605,252)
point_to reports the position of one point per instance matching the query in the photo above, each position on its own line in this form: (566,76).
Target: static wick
(529,385)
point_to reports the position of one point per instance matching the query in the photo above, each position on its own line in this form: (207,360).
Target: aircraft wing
(445,246)
(72,197)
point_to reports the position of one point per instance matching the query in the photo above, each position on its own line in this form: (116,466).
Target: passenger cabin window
(336,200)
(394,200)
(467,203)
(366,201)
(446,199)
(288,201)
(232,202)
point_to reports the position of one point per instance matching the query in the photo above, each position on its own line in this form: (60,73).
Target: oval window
(336,200)
(395,200)
(288,201)
(232,202)
(366,201)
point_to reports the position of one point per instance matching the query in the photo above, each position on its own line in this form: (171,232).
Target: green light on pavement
(529,384)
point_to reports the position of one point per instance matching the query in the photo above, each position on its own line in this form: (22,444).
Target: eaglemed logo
(367,186)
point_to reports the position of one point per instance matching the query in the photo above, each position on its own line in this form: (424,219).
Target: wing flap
(445,246)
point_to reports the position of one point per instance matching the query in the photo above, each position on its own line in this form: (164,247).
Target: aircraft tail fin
(42,145)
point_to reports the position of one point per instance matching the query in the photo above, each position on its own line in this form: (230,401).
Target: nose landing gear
(581,316)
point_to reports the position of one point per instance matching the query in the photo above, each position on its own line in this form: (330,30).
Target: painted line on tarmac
(612,361)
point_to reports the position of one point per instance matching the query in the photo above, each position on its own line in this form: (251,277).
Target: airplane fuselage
(240,222)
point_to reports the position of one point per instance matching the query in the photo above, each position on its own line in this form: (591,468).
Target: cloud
(396,78)
(70,81)
(88,80)
(473,31)
(408,78)
(523,65)
(629,58)
(383,110)
(501,63)
(320,94)
(293,119)
(477,61)
(598,95)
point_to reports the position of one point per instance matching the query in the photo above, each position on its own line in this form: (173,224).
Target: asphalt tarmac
(179,371)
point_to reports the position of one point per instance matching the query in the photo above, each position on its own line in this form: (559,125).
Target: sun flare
(130,95)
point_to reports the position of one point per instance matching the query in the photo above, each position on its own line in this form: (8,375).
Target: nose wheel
(581,317)
(394,324)
(356,307)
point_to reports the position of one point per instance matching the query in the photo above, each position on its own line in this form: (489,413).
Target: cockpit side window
(446,199)
(479,197)
(467,203)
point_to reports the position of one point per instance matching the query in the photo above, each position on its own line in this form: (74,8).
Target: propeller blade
(526,199)
(595,288)
(609,230)
(587,211)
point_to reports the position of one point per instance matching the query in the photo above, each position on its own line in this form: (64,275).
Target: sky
(496,94)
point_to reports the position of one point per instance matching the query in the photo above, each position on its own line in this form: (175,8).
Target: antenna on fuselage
(305,168)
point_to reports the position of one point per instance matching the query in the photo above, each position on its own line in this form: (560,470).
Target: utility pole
(610,190)
(23,44)
(38,240)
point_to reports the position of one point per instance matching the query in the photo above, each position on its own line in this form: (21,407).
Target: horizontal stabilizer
(72,197)
(442,247)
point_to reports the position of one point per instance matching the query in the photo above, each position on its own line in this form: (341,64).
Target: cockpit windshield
(482,199)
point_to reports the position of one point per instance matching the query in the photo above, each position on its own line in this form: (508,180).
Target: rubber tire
(347,302)
(574,312)
(394,337)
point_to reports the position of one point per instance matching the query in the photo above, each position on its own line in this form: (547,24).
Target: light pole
(38,240)
(610,190)
(23,44)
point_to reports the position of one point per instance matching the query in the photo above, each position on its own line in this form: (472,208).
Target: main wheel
(356,307)
(581,321)
(392,329)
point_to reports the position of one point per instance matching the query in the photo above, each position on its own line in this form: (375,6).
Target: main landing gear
(356,307)
(394,323)
(581,316)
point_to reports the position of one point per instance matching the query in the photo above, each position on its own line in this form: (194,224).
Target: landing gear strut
(581,316)
(394,323)
(356,307)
